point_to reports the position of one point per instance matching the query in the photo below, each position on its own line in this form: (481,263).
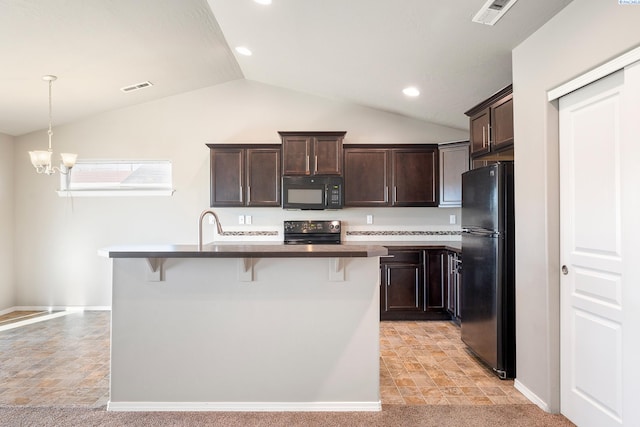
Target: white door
(599,219)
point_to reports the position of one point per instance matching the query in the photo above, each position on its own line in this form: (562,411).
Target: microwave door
(305,197)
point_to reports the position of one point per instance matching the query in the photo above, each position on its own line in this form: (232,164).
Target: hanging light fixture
(41,160)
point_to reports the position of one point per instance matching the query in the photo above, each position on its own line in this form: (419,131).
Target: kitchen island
(245,327)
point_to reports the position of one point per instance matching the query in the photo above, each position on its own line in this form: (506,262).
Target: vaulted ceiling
(361,51)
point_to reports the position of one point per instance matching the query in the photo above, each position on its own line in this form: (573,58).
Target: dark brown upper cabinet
(366,176)
(245,175)
(391,175)
(414,176)
(312,153)
(491,125)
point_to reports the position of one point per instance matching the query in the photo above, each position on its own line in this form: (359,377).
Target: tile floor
(65,362)
(58,362)
(427,363)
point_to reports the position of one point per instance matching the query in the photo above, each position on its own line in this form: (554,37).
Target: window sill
(114,193)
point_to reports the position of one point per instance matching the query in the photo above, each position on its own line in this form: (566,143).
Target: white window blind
(118,177)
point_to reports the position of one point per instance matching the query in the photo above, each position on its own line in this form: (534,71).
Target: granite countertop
(246,250)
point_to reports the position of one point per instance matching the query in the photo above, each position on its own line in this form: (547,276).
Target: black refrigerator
(488,270)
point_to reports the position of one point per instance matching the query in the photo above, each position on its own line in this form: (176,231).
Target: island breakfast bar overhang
(245,327)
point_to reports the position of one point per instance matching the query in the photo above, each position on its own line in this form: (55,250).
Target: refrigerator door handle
(481,232)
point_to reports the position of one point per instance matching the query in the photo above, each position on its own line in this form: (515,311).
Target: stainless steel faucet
(202,215)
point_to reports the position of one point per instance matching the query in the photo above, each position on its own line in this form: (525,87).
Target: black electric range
(312,232)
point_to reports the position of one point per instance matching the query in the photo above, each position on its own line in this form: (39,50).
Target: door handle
(565,270)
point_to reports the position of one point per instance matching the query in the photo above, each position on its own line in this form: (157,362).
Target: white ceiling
(362,51)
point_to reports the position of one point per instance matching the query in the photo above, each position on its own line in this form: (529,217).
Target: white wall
(583,35)
(57,238)
(7,288)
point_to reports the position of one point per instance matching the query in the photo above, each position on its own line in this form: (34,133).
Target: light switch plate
(369,219)
(248,219)
(241,219)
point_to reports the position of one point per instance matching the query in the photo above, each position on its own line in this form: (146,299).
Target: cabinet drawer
(404,257)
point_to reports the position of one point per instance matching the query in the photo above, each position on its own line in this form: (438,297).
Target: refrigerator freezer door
(481,276)
(480,198)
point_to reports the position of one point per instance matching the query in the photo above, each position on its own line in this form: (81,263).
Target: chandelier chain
(50,132)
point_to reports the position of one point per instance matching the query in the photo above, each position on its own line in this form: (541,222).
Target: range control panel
(312,232)
(312,226)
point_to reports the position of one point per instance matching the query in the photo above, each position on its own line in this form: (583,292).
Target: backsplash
(353,233)
(363,233)
(249,233)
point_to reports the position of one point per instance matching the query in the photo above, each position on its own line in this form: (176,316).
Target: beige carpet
(391,415)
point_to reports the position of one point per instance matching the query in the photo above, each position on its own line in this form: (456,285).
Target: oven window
(305,196)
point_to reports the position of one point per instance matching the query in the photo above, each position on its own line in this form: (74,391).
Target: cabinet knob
(565,270)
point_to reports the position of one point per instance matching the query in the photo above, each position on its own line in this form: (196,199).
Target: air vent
(136,86)
(492,11)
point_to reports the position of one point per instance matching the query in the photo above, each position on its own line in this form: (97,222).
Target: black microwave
(312,192)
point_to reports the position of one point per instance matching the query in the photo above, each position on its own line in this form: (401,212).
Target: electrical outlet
(241,219)
(452,219)
(369,219)
(248,220)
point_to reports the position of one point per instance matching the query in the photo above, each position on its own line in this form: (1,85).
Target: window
(118,178)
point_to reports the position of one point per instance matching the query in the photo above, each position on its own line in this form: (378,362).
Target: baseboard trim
(531,396)
(246,406)
(60,308)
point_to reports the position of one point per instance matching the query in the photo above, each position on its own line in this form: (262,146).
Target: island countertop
(245,250)
(451,245)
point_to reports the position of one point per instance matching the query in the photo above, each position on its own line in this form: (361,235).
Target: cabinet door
(402,288)
(414,177)
(502,123)
(366,175)
(454,161)
(435,295)
(227,166)
(450,284)
(296,155)
(263,177)
(327,155)
(457,286)
(452,279)
(479,125)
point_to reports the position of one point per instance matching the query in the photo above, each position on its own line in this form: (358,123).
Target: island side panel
(290,336)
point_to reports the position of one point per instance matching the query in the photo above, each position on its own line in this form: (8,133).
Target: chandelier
(41,160)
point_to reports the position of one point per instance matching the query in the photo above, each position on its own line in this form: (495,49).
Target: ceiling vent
(136,86)
(492,11)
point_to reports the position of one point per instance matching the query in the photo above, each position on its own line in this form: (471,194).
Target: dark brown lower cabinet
(436,289)
(453,282)
(411,285)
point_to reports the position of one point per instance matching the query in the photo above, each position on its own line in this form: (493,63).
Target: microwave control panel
(335,195)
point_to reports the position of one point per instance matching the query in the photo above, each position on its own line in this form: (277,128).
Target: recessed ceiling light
(411,91)
(243,51)
(263,1)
